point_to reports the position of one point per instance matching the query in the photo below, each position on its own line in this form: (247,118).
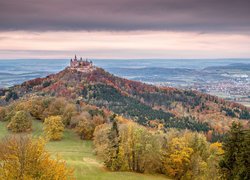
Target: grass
(79,155)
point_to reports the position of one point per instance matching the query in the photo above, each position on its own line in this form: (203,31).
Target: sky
(125,28)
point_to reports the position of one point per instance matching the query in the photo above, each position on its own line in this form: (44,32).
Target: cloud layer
(126,15)
(143,44)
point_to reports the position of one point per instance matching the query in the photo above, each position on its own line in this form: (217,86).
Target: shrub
(20,122)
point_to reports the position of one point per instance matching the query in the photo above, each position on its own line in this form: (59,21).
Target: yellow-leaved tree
(214,158)
(20,122)
(23,158)
(177,157)
(53,127)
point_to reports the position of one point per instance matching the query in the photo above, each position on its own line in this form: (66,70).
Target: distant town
(234,88)
(231,82)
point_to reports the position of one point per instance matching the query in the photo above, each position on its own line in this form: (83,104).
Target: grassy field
(79,155)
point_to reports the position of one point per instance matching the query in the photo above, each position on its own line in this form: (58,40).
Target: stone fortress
(81,65)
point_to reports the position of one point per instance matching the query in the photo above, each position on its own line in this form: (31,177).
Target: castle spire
(75,57)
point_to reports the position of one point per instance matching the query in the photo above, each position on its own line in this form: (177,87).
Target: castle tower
(81,64)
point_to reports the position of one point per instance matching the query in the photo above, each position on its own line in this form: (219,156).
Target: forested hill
(149,105)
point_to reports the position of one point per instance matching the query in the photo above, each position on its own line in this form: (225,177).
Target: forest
(120,143)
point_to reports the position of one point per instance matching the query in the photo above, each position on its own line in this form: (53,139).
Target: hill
(146,104)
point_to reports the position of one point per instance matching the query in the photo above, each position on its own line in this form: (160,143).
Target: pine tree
(244,157)
(113,136)
(232,146)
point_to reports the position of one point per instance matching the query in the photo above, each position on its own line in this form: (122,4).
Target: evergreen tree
(230,164)
(113,137)
(244,157)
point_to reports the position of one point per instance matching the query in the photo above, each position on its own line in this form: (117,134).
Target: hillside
(146,104)
(79,155)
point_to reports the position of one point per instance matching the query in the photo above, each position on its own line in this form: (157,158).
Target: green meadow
(80,155)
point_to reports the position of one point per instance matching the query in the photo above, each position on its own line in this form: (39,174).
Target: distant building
(75,63)
(81,65)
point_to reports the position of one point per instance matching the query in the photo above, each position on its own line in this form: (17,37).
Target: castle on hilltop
(80,63)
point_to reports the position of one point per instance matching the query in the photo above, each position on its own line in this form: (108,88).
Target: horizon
(130,59)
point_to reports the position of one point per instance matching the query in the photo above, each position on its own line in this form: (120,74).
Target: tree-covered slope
(146,104)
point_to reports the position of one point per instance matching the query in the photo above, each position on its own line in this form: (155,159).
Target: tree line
(127,146)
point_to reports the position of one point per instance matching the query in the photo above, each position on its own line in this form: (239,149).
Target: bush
(53,128)
(20,122)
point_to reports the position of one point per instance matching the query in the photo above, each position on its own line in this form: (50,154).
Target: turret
(75,63)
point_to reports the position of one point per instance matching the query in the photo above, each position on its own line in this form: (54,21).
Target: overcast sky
(125,28)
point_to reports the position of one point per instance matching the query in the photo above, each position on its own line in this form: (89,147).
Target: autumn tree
(129,147)
(53,128)
(98,120)
(177,158)
(2,113)
(61,107)
(20,122)
(25,158)
(37,106)
(68,112)
(215,156)
(200,146)
(101,140)
(11,109)
(84,125)
(56,107)
(139,149)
